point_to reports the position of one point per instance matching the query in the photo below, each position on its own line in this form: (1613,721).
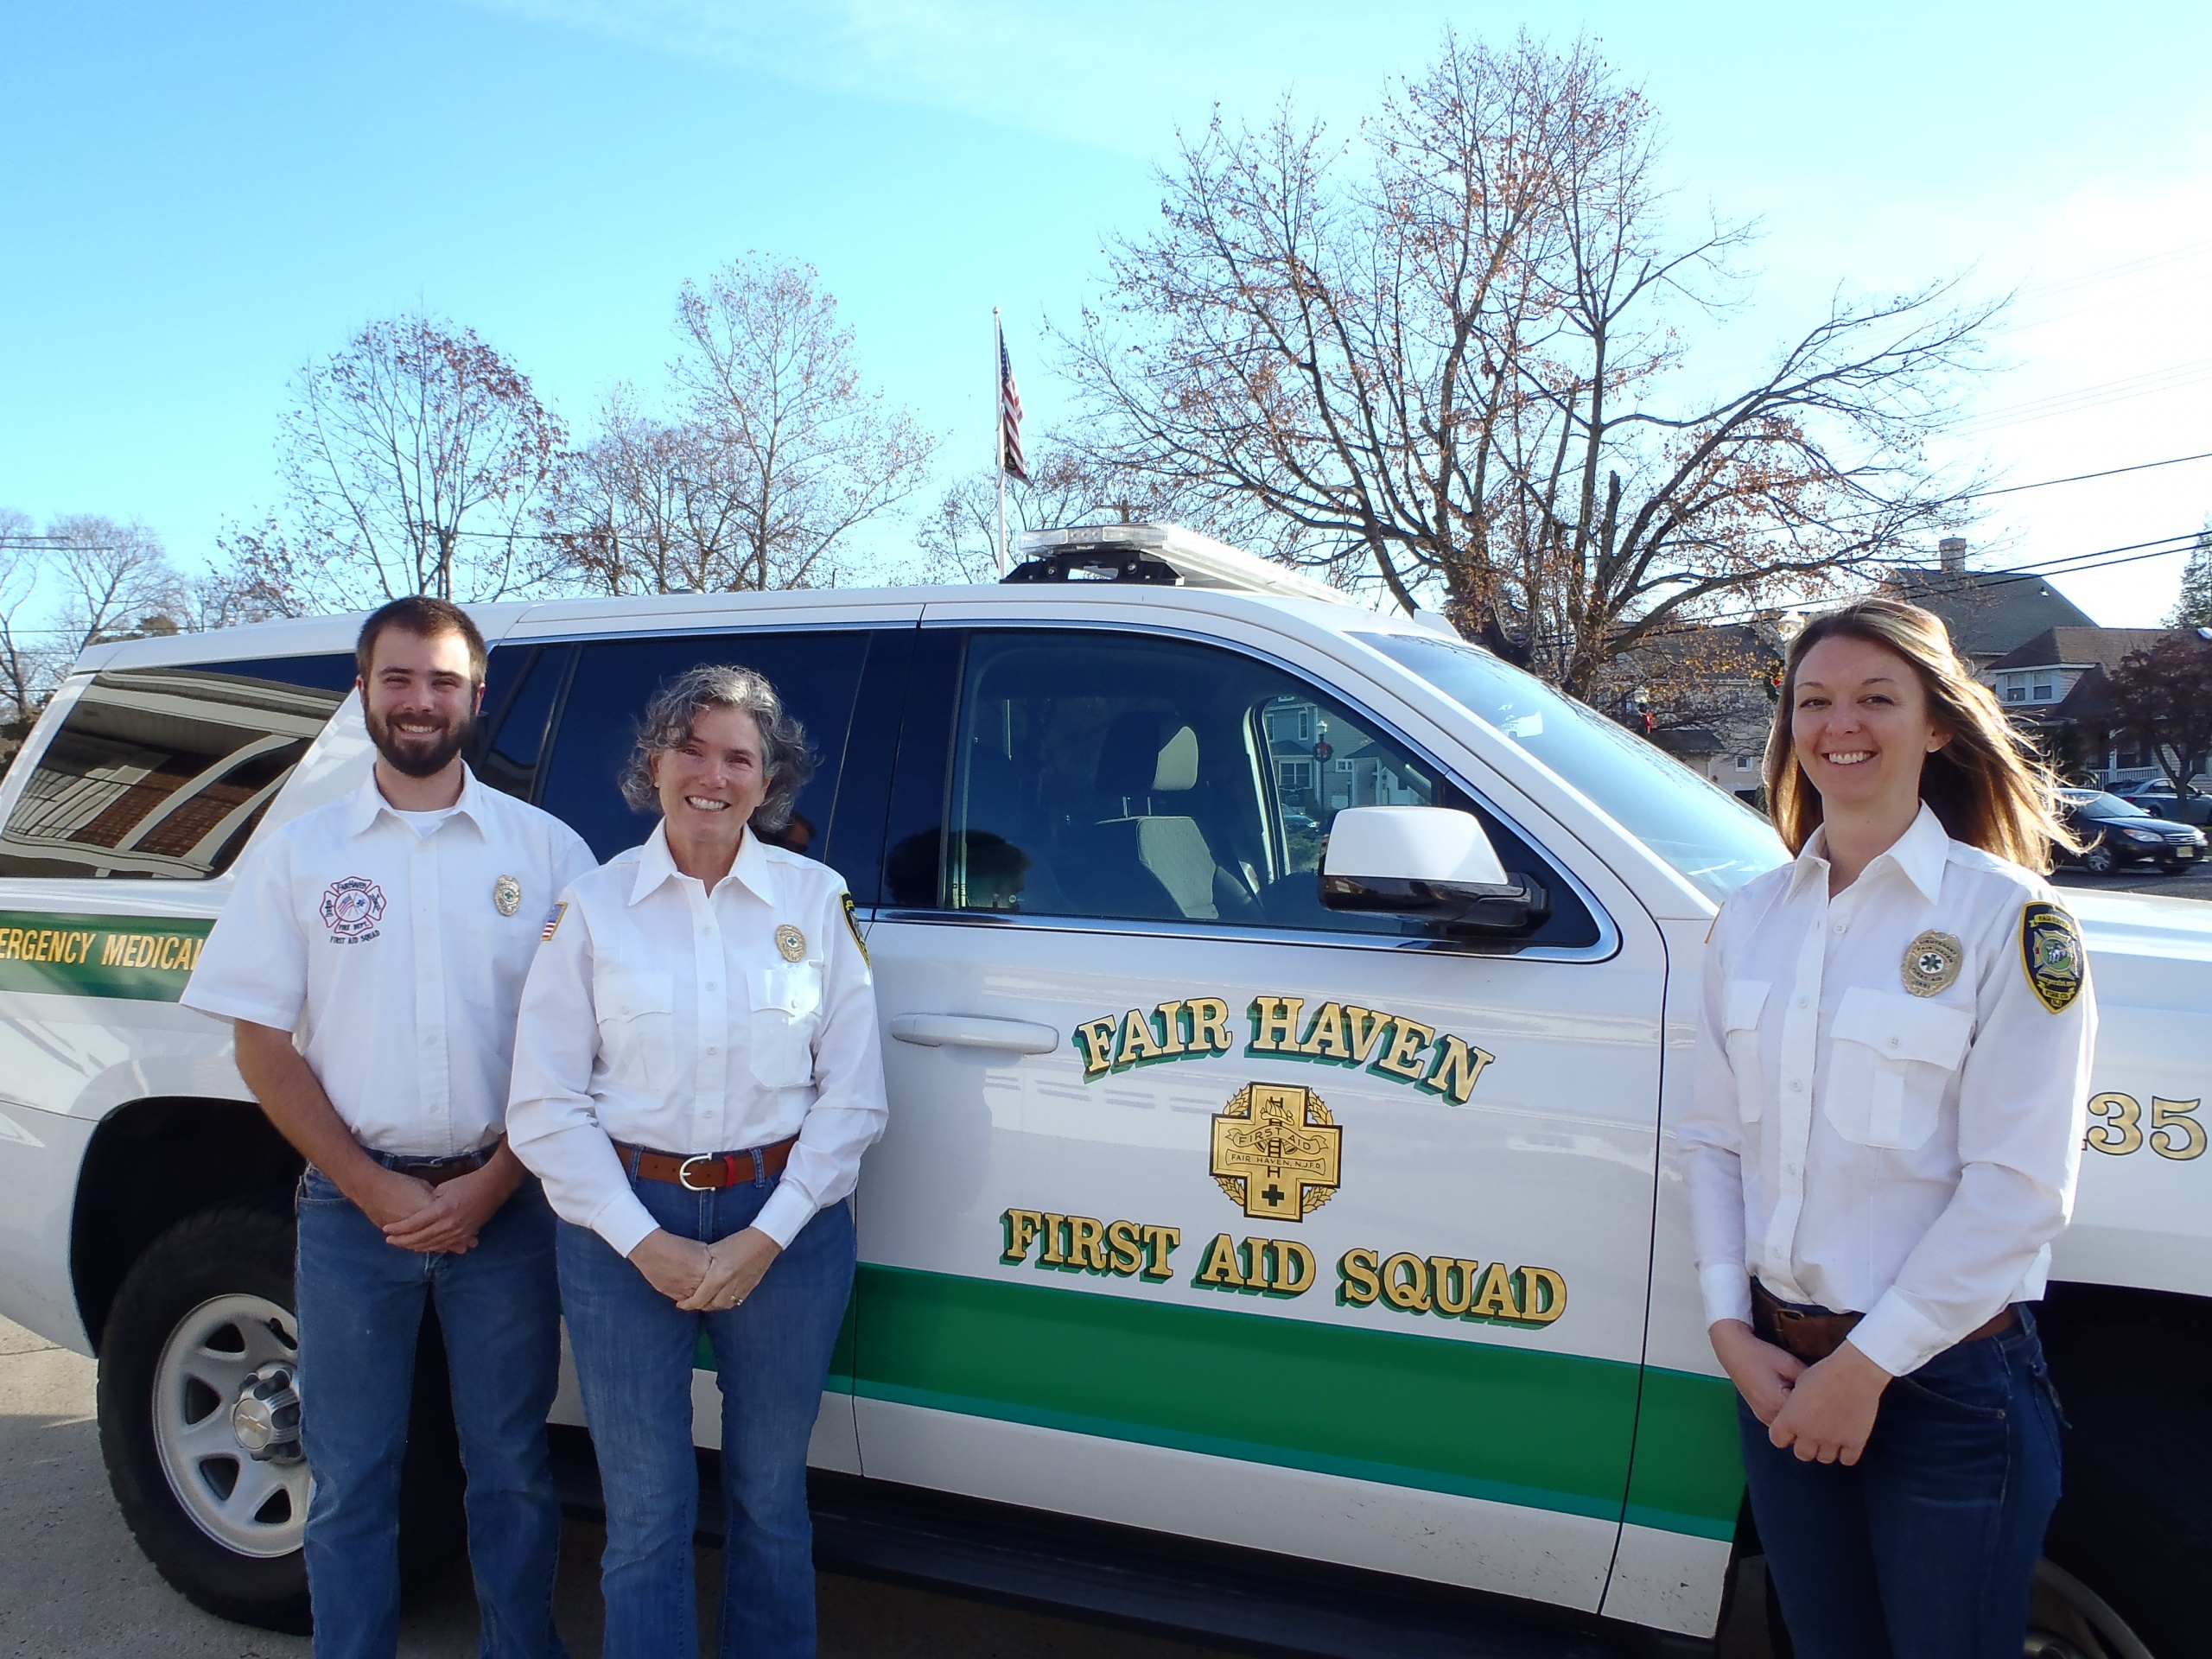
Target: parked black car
(2114,833)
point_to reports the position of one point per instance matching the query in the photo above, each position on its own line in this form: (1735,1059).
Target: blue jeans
(360,1305)
(1926,1548)
(634,1350)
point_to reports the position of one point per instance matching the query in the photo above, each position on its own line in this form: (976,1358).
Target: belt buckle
(683,1171)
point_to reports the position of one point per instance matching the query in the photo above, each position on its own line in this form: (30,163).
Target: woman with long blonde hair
(1892,1064)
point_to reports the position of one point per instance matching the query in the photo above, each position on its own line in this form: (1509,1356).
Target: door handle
(974,1031)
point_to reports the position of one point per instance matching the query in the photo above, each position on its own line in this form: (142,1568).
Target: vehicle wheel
(2100,859)
(2068,1620)
(194,1382)
(2131,1542)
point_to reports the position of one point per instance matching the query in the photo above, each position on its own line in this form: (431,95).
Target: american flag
(1010,457)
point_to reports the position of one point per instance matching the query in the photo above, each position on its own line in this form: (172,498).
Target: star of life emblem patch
(351,909)
(2051,955)
(1932,962)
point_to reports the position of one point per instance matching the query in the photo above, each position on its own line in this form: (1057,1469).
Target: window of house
(165,772)
(2043,691)
(2015,692)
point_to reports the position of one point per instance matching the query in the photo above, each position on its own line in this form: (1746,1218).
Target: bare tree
(650,506)
(26,653)
(258,575)
(958,541)
(116,582)
(807,454)
(416,459)
(1455,349)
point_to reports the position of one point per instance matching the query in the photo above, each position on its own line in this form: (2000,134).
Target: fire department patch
(2051,955)
(351,908)
(852,921)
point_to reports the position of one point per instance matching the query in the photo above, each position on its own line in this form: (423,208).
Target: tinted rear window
(816,674)
(165,772)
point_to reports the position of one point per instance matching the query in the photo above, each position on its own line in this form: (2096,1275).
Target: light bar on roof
(1200,561)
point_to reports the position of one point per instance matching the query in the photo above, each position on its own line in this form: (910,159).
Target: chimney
(1951,551)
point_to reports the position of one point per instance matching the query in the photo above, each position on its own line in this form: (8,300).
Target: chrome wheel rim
(252,1506)
(2068,1620)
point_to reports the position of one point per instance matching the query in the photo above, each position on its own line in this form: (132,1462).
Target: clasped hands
(704,1278)
(445,1219)
(1824,1412)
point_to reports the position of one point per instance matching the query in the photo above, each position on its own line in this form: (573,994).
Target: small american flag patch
(553,922)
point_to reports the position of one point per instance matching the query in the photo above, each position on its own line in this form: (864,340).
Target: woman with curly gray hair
(697,1073)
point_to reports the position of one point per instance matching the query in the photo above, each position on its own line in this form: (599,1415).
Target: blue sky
(194,199)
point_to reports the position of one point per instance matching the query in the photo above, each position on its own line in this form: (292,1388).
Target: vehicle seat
(1160,859)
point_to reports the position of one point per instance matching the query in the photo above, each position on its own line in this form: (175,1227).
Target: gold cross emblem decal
(1277,1152)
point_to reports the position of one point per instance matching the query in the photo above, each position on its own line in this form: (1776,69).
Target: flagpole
(998,415)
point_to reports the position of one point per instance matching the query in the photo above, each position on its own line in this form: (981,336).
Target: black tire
(237,1249)
(2135,1523)
(2100,859)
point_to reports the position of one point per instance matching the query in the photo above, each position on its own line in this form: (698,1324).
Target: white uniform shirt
(671,1017)
(397,957)
(1866,1146)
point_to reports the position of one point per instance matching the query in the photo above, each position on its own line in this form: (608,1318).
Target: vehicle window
(2097,805)
(1711,838)
(521,684)
(1114,776)
(816,674)
(165,772)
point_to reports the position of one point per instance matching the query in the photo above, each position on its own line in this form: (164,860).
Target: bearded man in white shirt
(371,961)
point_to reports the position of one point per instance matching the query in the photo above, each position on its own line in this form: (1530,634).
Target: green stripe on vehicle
(840,1380)
(1688,1475)
(1480,1420)
(143,959)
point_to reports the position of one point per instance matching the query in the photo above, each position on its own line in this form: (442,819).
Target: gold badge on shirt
(790,943)
(506,895)
(1932,962)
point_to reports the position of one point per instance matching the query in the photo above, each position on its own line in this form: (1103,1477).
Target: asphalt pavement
(2195,883)
(74,1585)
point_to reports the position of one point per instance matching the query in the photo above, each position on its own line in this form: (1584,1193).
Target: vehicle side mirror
(1433,863)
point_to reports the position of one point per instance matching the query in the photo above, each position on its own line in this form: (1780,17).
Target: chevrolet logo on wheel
(1277,1152)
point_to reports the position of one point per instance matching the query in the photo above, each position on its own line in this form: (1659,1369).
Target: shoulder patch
(853,922)
(552,922)
(2051,955)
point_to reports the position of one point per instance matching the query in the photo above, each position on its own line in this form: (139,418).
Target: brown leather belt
(707,1171)
(1813,1335)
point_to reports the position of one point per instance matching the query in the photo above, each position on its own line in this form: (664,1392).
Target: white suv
(1276,1242)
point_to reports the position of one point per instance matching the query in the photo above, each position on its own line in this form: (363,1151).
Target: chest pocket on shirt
(1890,1058)
(1741,1001)
(786,1013)
(637,1024)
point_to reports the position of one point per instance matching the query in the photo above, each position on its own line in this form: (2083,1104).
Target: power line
(2078,478)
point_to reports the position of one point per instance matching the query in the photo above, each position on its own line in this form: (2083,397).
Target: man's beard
(414,759)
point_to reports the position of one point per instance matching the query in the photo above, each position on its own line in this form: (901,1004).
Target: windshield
(1709,835)
(2095,803)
